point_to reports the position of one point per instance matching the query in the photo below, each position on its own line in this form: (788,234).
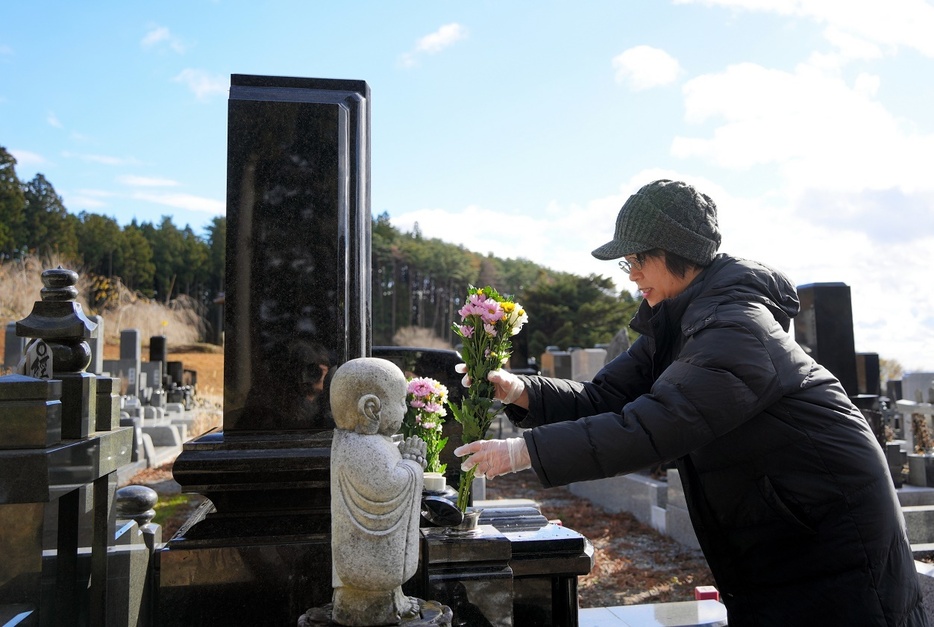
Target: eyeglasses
(628,266)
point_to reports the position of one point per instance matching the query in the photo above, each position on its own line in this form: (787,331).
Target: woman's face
(655,281)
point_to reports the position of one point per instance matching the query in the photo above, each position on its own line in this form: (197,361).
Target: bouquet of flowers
(488,321)
(426,399)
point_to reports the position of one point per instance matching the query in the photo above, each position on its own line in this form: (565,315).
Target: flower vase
(469,525)
(434,482)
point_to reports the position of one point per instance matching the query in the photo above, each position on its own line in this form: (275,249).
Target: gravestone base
(253,553)
(430,613)
(242,580)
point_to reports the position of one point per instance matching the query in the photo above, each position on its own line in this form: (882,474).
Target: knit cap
(665,214)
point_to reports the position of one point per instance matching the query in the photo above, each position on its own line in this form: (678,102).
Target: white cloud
(102,159)
(53,120)
(890,24)
(867,84)
(434,43)
(184,201)
(202,84)
(159,36)
(27,158)
(852,46)
(441,38)
(643,67)
(86,199)
(146,181)
(820,131)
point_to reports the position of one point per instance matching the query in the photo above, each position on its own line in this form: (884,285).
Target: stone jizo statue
(376,489)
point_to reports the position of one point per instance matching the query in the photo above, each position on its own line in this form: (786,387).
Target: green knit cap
(670,215)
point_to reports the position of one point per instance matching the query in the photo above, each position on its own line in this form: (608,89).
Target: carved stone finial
(60,322)
(136,502)
(59,284)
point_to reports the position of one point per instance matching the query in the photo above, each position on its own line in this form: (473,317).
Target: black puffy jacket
(788,490)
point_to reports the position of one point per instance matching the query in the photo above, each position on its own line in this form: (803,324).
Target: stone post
(58,463)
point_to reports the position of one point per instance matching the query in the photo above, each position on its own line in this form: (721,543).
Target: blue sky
(520,128)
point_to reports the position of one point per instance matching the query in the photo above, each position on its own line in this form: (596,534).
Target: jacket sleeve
(724,375)
(555,400)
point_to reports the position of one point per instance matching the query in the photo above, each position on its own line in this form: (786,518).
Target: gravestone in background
(586,363)
(868,373)
(556,364)
(918,387)
(131,355)
(297,294)
(824,328)
(13,347)
(158,353)
(97,346)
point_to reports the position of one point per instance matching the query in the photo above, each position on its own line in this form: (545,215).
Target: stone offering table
(517,569)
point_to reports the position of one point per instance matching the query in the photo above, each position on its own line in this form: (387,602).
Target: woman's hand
(493,458)
(508,387)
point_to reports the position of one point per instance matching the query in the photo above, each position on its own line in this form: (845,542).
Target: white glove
(461,368)
(493,458)
(508,387)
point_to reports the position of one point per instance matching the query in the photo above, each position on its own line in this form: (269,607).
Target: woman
(788,490)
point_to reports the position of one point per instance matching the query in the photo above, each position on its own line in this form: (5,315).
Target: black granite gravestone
(296,307)
(824,328)
(868,373)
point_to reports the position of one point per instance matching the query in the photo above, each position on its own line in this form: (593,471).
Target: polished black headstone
(298,249)
(868,373)
(159,352)
(824,328)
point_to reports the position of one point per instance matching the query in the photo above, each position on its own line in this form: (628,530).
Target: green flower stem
(463,489)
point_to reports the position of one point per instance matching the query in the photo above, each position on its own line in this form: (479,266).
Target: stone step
(919,520)
(708,613)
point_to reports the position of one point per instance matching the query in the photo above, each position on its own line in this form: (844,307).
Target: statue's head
(368,396)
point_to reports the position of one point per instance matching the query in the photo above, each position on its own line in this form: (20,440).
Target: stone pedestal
(469,573)
(517,569)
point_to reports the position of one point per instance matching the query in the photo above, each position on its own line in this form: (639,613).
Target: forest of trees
(417,281)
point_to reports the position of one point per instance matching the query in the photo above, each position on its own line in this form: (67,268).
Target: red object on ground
(706,592)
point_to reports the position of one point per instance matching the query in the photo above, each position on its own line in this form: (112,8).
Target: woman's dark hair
(675,264)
